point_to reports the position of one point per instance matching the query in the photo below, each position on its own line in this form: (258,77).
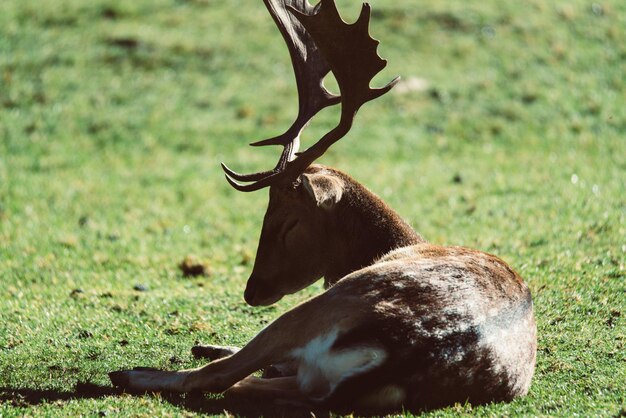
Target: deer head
(297,237)
(294,241)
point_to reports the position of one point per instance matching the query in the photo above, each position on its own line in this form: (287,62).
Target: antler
(319,41)
(310,68)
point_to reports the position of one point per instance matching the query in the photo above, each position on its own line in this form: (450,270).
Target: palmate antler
(319,41)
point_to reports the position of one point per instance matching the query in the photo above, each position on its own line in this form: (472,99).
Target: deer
(403,323)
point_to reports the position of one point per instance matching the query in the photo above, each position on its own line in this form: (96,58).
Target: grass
(508,135)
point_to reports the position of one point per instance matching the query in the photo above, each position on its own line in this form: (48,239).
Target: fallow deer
(403,323)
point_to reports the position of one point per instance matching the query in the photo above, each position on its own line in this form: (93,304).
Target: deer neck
(364,228)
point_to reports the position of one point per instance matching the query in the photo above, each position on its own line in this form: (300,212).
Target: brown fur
(368,226)
(403,323)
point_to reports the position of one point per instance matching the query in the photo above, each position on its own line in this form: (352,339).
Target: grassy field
(508,134)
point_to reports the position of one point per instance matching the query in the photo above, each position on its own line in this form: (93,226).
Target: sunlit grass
(508,134)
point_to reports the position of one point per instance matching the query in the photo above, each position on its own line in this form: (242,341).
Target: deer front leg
(272,345)
(216,352)
(214,377)
(149,379)
(146,379)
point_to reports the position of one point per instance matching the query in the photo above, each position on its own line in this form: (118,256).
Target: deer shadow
(194,402)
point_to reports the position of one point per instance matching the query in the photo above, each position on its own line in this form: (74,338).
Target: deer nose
(258,293)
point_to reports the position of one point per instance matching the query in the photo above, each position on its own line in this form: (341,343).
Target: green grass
(114,117)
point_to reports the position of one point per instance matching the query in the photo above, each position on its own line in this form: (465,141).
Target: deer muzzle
(259,293)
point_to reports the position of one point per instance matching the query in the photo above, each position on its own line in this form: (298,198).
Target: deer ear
(326,190)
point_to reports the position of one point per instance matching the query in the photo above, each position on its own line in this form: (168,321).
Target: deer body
(403,323)
(418,325)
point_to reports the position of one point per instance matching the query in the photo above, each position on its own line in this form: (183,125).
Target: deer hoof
(120,378)
(132,379)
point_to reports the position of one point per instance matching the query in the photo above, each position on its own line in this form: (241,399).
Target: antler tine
(319,41)
(352,55)
(262,179)
(310,69)
(289,151)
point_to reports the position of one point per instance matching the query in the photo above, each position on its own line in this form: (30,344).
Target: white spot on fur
(509,348)
(321,369)
(399,285)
